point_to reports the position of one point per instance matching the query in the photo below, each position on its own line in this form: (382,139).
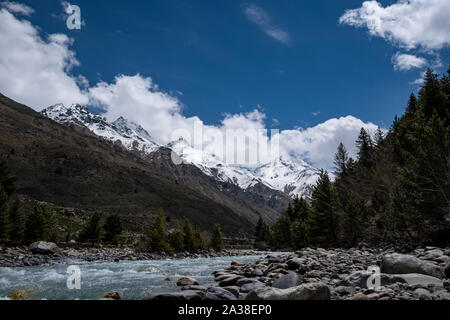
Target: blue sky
(222,62)
(291,60)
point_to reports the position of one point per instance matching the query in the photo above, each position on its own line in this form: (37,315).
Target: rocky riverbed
(48,254)
(337,274)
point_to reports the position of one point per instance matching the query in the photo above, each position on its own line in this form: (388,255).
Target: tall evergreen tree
(4,217)
(364,145)
(158,234)
(92,231)
(176,238)
(325,211)
(217,239)
(341,160)
(189,236)
(113,229)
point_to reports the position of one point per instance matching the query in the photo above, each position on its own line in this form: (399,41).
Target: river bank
(337,274)
(25,257)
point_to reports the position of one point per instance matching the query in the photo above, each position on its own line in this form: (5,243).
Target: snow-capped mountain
(130,134)
(295,178)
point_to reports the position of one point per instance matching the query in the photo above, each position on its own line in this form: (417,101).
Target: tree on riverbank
(217,239)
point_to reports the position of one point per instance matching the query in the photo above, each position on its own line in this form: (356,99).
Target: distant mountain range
(292,178)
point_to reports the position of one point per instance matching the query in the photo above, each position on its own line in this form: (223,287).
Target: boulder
(447,270)
(287,281)
(295,264)
(182,295)
(194,288)
(416,279)
(215,293)
(20,294)
(236,263)
(309,291)
(423,294)
(400,264)
(42,247)
(231,281)
(234,290)
(359,279)
(112,295)
(186,281)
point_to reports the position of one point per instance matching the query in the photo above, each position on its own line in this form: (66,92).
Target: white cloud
(33,70)
(409,24)
(405,62)
(262,19)
(15,7)
(318,144)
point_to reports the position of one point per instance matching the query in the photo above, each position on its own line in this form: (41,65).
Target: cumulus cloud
(262,19)
(405,62)
(33,70)
(36,72)
(410,24)
(15,7)
(318,144)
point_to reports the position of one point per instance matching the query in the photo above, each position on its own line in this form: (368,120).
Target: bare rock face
(42,247)
(309,291)
(400,264)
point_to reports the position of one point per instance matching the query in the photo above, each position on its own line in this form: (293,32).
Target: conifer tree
(176,238)
(217,239)
(92,231)
(113,229)
(189,236)
(4,217)
(341,160)
(364,145)
(158,234)
(199,242)
(325,210)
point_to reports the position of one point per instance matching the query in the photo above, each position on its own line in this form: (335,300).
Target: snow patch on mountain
(293,177)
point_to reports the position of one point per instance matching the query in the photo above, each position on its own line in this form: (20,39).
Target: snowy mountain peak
(293,176)
(131,135)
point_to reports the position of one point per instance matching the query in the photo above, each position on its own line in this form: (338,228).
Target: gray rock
(231,281)
(416,279)
(447,252)
(194,288)
(215,293)
(234,290)
(243,281)
(186,281)
(42,247)
(287,281)
(447,270)
(182,295)
(251,286)
(295,264)
(309,291)
(423,294)
(400,264)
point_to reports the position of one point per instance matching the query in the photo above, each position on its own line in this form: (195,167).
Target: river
(132,279)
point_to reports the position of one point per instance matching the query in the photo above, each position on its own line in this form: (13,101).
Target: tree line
(182,238)
(397,190)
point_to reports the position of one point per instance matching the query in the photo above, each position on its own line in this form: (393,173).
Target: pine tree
(379,138)
(92,232)
(176,238)
(158,234)
(7,180)
(199,242)
(113,229)
(262,231)
(281,232)
(36,225)
(340,160)
(217,239)
(364,145)
(18,221)
(325,210)
(189,236)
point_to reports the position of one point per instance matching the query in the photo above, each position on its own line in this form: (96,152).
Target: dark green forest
(396,192)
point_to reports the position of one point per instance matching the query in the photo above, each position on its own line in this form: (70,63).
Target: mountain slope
(70,166)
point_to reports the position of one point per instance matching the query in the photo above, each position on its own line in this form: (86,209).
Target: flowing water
(132,279)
